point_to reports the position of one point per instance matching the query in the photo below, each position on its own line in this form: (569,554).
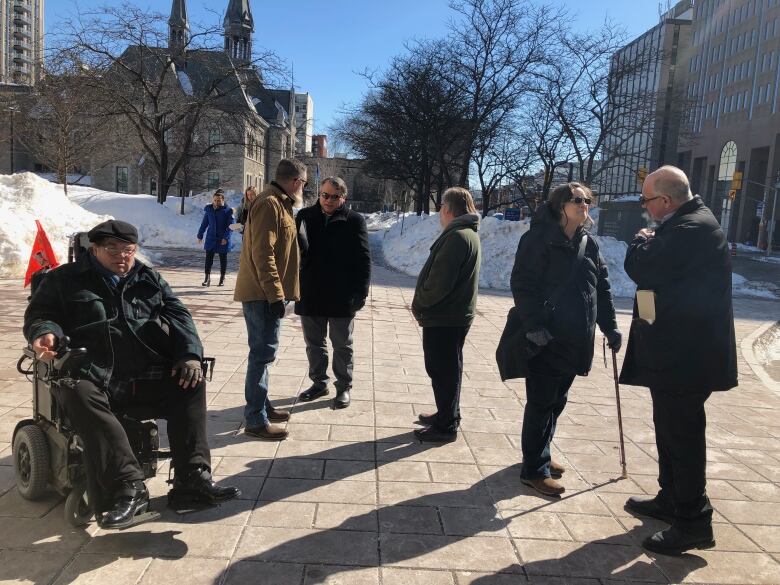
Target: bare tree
(497,50)
(174,111)
(56,125)
(409,125)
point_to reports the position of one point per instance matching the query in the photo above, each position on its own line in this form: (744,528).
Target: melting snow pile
(406,245)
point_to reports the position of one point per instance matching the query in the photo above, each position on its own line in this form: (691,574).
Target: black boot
(675,540)
(313,393)
(653,507)
(131,500)
(221,279)
(198,487)
(342,399)
(207,282)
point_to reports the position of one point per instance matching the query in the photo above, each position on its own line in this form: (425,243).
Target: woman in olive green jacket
(444,304)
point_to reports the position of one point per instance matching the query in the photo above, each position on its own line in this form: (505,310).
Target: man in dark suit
(335,276)
(685,354)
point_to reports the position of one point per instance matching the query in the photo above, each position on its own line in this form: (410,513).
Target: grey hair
(338,183)
(671,181)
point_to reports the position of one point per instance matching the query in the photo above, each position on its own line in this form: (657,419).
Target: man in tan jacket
(267,279)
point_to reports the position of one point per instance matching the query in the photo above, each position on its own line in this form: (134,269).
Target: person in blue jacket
(216,219)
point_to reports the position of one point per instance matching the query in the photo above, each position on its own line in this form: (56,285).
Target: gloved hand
(277,309)
(191,372)
(614,340)
(539,337)
(357,304)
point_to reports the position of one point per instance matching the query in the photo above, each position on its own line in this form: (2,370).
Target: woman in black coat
(561,290)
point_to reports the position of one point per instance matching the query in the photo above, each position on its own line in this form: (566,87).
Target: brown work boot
(278,414)
(556,469)
(545,486)
(269,431)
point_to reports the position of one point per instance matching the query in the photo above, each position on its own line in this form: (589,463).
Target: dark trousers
(210,262)
(680,426)
(546,391)
(106,446)
(340,330)
(443,351)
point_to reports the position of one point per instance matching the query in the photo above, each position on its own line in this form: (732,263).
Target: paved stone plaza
(352,498)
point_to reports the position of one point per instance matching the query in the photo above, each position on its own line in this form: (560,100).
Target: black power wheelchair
(47,451)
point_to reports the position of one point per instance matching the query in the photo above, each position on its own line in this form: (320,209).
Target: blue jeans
(263,331)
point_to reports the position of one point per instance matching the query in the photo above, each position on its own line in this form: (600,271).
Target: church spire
(178,26)
(239,27)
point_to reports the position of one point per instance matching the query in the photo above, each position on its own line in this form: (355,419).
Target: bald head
(669,181)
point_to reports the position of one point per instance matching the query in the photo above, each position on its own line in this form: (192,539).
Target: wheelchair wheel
(31,461)
(78,512)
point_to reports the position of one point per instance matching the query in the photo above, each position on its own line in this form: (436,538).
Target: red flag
(42,255)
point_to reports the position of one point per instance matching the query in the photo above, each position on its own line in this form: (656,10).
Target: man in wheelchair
(143,350)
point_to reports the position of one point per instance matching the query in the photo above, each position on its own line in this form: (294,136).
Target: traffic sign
(512,214)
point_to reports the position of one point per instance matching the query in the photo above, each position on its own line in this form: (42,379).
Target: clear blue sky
(329,41)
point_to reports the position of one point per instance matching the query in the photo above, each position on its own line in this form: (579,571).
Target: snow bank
(158,225)
(25,197)
(742,287)
(408,251)
(380,219)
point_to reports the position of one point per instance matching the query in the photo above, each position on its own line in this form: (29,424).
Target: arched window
(728,161)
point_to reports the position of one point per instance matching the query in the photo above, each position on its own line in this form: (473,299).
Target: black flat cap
(114,228)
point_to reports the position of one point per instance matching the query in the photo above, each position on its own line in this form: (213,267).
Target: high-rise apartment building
(734,76)
(21,41)
(646,102)
(304,123)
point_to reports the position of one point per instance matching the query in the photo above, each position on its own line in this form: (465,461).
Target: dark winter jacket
(215,224)
(335,262)
(543,265)
(141,315)
(691,344)
(447,286)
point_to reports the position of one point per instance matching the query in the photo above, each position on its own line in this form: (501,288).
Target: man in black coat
(685,354)
(143,349)
(335,276)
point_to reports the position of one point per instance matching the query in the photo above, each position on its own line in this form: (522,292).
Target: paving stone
(298,545)
(98,569)
(312,490)
(349,486)
(446,552)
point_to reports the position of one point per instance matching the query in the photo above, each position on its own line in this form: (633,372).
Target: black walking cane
(619,412)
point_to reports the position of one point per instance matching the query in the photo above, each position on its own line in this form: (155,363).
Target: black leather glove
(277,309)
(614,340)
(191,372)
(539,337)
(357,304)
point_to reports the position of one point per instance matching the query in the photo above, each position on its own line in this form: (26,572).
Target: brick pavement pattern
(352,498)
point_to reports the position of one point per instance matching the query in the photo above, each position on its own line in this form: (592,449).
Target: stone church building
(267,115)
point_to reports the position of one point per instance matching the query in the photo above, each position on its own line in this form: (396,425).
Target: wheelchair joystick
(68,359)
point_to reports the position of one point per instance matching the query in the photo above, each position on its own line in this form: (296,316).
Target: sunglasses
(580,200)
(328,197)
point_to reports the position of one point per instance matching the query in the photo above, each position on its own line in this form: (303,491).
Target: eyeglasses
(305,182)
(126,252)
(580,200)
(644,200)
(329,197)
